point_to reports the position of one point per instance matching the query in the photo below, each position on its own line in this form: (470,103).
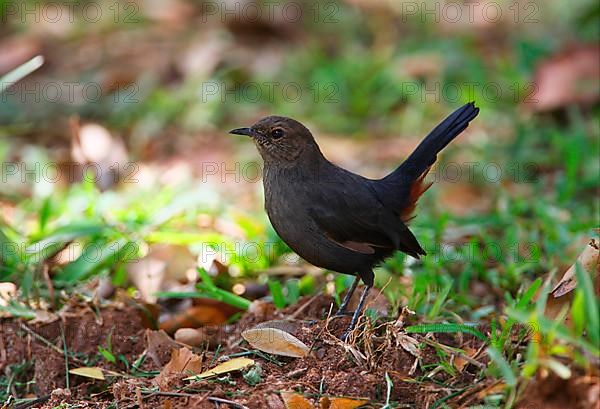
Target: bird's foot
(345,335)
(356,314)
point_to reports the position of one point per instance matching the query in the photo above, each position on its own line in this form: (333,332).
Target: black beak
(242,131)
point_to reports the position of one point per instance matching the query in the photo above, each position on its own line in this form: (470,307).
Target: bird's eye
(277,133)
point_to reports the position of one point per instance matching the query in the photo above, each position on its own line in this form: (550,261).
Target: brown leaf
(460,361)
(275,341)
(588,259)
(491,390)
(183,361)
(341,403)
(158,346)
(295,401)
(570,77)
(211,312)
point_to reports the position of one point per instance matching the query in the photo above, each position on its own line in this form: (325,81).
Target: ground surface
(332,369)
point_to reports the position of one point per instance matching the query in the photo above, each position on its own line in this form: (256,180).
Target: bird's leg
(357,313)
(342,309)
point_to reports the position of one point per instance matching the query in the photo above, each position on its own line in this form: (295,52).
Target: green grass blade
(507,373)
(423,328)
(206,280)
(439,302)
(545,325)
(584,283)
(277,293)
(95,257)
(226,297)
(218,294)
(18,310)
(521,304)
(292,291)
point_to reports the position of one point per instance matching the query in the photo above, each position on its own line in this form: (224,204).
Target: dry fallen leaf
(588,259)
(209,312)
(275,341)
(409,344)
(295,401)
(89,372)
(491,390)
(460,361)
(570,77)
(183,361)
(341,403)
(291,326)
(158,345)
(235,364)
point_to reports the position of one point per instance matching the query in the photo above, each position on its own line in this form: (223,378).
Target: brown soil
(357,369)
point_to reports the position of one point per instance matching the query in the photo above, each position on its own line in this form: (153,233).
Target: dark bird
(334,218)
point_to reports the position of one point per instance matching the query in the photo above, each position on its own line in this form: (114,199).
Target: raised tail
(400,189)
(426,153)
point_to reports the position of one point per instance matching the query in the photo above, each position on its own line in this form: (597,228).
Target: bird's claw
(345,336)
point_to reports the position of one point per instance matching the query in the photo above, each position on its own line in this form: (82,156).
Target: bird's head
(280,139)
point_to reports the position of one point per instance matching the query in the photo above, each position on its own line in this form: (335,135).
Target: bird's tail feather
(401,189)
(426,153)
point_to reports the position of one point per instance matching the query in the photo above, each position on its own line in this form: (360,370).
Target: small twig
(40,338)
(229,402)
(191,395)
(66,353)
(2,347)
(296,373)
(455,351)
(296,313)
(149,394)
(50,285)
(50,344)
(31,403)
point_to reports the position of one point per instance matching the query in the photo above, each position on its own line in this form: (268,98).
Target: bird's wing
(350,213)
